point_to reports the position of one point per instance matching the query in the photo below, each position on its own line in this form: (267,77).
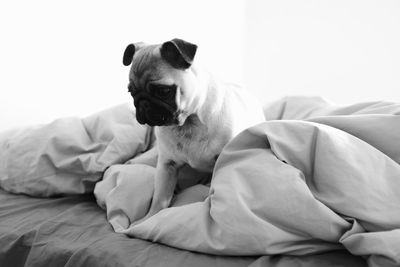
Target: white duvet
(314,177)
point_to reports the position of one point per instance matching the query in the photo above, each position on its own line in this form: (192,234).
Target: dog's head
(161,81)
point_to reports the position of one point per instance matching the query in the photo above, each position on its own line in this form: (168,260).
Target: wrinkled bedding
(72,231)
(312,179)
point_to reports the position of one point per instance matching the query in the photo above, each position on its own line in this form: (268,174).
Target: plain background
(64,58)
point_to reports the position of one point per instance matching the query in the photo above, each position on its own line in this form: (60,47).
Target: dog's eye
(161,91)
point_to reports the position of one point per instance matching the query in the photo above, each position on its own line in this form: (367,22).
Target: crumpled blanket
(314,177)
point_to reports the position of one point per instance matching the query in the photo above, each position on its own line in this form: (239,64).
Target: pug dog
(194,114)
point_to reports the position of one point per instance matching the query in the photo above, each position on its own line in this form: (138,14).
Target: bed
(69,199)
(73,231)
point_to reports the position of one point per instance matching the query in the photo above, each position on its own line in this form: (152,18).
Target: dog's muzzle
(152,111)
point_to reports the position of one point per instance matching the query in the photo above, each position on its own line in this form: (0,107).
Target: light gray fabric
(314,177)
(69,155)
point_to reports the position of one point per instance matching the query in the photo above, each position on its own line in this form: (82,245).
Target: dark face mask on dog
(157,107)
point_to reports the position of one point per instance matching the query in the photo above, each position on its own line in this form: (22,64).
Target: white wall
(344,50)
(64,58)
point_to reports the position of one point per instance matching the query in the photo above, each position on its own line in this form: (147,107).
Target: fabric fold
(313,178)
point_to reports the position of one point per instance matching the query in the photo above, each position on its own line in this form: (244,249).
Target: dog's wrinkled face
(163,89)
(153,90)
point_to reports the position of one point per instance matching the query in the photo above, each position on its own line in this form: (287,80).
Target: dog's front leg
(164,184)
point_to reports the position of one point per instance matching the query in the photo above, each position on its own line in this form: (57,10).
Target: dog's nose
(141,110)
(144,106)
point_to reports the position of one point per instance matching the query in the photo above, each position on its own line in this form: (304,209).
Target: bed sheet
(73,231)
(74,157)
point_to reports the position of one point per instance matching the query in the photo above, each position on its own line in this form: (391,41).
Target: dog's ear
(129,52)
(178,53)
